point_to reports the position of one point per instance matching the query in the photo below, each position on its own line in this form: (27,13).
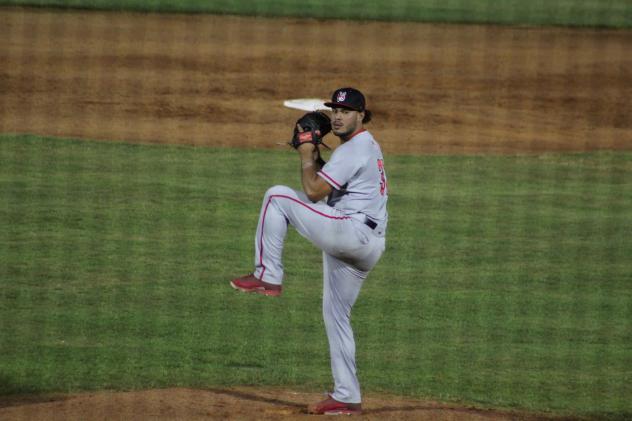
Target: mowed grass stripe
(612,13)
(506,281)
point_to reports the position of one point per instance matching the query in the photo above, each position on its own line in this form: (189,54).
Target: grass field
(506,281)
(606,13)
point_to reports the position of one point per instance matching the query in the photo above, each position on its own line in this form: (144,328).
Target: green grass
(606,13)
(507,280)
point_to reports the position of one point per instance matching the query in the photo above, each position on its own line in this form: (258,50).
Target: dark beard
(345,134)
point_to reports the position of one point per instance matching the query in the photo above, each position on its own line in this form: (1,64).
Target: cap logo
(342,95)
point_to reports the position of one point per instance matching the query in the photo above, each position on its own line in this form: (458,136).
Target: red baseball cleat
(250,283)
(330,406)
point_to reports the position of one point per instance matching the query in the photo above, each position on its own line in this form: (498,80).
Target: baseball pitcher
(342,210)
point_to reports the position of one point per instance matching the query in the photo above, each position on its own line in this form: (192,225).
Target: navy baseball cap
(347,98)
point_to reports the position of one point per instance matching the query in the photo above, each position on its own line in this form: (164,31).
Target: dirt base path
(241,404)
(211,80)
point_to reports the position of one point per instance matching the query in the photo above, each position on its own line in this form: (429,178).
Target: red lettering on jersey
(383,183)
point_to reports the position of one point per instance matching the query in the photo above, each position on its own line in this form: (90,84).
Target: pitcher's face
(345,122)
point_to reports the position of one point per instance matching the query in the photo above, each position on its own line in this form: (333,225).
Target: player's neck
(352,135)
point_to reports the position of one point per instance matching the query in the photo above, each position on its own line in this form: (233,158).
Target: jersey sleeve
(342,166)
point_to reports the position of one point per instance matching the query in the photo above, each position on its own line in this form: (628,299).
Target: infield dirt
(220,81)
(212,80)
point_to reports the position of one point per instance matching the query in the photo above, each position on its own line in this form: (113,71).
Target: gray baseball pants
(350,250)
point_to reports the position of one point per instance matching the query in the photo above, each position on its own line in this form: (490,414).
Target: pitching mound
(242,403)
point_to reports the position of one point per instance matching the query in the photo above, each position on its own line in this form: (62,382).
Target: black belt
(370,223)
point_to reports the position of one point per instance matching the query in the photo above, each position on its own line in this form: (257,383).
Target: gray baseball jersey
(356,172)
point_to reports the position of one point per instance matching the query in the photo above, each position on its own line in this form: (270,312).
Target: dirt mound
(241,403)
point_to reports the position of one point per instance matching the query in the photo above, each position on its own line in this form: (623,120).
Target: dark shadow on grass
(19,400)
(14,393)
(9,386)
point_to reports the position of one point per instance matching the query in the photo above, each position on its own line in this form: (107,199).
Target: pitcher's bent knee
(279,190)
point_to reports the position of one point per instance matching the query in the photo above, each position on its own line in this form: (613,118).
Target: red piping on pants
(263,222)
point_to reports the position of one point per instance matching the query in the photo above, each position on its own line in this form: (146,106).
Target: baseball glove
(315,126)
